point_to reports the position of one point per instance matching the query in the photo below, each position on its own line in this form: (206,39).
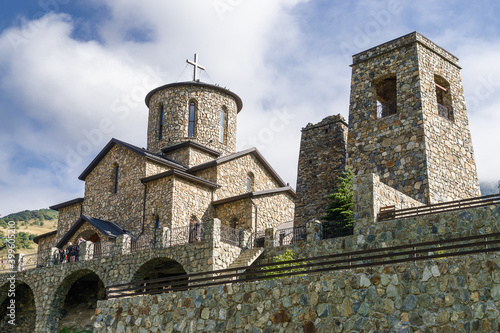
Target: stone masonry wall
(450,154)
(322,160)
(67,217)
(209,102)
(242,210)
(189,156)
(50,284)
(190,199)
(232,176)
(448,295)
(274,209)
(125,207)
(415,151)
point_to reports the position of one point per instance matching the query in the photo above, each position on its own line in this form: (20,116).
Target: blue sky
(73,74)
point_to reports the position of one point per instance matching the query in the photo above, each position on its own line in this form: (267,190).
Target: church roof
(231,157)
(37,238)
(66,204)
(141,151)
(239,102)
(254,194)
(181,174)
(108,228)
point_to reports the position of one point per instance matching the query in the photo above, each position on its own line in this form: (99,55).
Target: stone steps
(246,258)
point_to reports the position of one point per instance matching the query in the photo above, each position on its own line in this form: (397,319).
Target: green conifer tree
(340,210)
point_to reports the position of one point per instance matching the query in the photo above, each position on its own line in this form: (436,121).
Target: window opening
(221,125)
(443,97)
(117,171)
(192,111)
(386,94)
(160,129)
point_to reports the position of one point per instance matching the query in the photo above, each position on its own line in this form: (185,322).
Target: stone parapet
(443,295)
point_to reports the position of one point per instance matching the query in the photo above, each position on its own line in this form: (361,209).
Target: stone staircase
(246,258)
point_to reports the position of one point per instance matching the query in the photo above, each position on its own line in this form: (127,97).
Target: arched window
(250,180)
(386,94)
(160,127)
(192,119)
(443,97)
(222,125)
(116,178)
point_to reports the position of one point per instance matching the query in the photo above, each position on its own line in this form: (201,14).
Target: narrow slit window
(192,114)
(115,186)
(157,222)
(222,125)
(160,128)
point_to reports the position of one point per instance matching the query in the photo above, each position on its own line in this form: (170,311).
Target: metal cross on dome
(196,66)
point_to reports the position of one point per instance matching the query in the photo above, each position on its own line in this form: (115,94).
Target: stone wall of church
(209,102)
(153,168)
(159,201)
(124,207)
(45,244)
(232,176)
(322,160)
(190,199)
(189,156)
(67,217)
(274,209)
(243,211)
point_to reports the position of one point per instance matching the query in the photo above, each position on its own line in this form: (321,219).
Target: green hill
(28,224)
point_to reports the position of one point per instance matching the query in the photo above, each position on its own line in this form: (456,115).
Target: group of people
(71,253)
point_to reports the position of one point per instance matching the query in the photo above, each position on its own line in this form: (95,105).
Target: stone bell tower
(408,121)
(192,122)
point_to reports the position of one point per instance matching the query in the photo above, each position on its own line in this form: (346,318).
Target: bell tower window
(250,180)
(192,119)
(386,94)
(443,97)
(160,127)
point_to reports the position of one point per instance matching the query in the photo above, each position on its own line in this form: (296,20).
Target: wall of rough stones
(322,160)
(189,156)
(51,283)
(449,149)
(412,149)
(369,195)
(124,207)
(445,295)
(190,199)
(232,176)
(67,217)
(274,209)
(209,101)
(242,210)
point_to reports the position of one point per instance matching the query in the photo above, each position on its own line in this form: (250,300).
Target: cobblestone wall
(413,150)
(67,217)
(443,295)
(322,160)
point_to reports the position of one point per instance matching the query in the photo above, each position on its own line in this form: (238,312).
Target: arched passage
(75,301)
(159,268)
(22,310)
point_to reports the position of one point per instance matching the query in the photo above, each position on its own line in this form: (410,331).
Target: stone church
(189,170)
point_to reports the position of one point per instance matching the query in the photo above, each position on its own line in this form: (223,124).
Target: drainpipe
(256,214)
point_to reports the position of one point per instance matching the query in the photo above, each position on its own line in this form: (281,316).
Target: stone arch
(23,309)
(157,268)
(75,300)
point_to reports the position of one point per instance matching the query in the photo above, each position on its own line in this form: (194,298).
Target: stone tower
(195,121)
(322,160)
(408,121)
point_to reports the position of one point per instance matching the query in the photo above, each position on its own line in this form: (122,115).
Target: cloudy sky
(74,73)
